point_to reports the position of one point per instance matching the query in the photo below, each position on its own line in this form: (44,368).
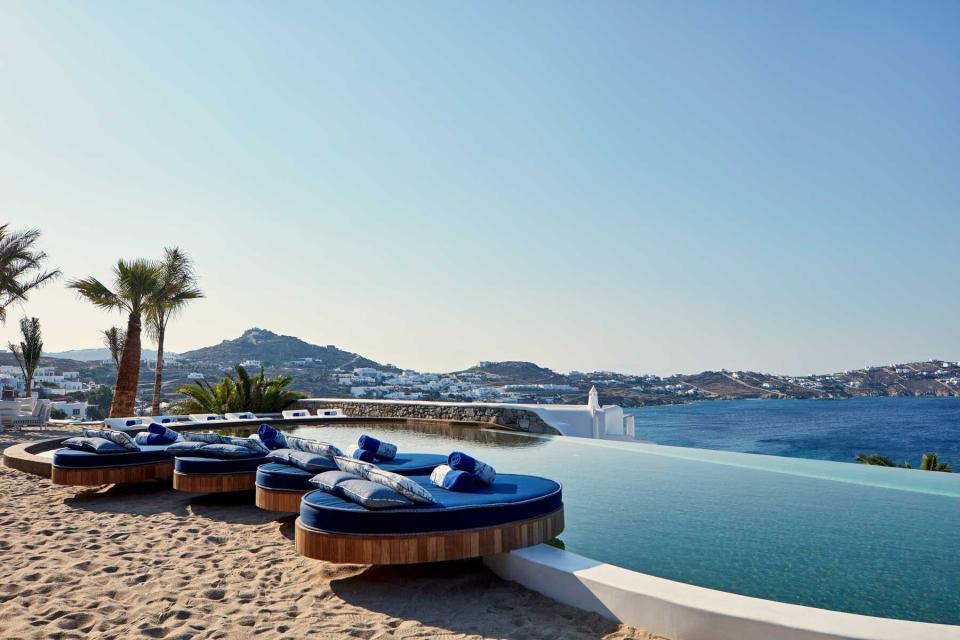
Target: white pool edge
(686,612)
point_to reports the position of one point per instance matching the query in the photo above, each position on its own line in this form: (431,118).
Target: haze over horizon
(647,188)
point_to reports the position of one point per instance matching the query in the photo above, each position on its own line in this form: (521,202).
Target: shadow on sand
(465,597)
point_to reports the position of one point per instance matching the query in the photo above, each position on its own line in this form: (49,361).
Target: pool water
(868,540)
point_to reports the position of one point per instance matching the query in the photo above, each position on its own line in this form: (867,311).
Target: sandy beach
(145,561)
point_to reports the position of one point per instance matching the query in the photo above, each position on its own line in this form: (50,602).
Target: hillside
(516,372)
(275,350)
(101,353)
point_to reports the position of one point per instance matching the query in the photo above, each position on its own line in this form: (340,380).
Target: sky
(647,187)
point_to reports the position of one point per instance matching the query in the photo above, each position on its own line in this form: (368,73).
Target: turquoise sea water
(848,537)
(900,428)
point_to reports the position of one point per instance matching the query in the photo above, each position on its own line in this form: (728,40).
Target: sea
(901,428)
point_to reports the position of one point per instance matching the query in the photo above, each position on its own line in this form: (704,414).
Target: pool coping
(689,612)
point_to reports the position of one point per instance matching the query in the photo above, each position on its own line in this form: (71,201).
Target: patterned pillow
(254,445)
(372,495)
(328,480)
(226,451)
(356,467)
(302,460)
(313,446)
(404,486)
(93,445)
(184,448)
(208,437)
(117,437)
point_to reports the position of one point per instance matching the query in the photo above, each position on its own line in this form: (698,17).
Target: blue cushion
(72,459)
(283,477)
(362,455)
(94,445)
(185,448)
(303,459)
(372,495)
(214,466)
(328,480)
(511,498)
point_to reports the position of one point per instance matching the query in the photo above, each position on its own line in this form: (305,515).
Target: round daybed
(215,475)
(516,511)
(281,486)
(85,468)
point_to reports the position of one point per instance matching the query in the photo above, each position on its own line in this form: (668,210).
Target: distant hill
(273,349)
(93,355)
(517,372)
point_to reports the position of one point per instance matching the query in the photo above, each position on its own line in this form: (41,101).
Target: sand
(146,561)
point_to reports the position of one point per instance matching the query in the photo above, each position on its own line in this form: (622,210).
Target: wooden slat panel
(215,483)
(434,547)
(117,475)
(285,501)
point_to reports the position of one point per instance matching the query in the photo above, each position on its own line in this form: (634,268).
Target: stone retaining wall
(508,418)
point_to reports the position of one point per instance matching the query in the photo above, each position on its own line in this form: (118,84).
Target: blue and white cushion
(402,485)
(272,438)
(328,480)
(156,434)
(313,446)
(254,445)
(356,467)
(452,479)
(479,470)
(117,437)
(208,437)
(380,449)
(363,455)
(372,495)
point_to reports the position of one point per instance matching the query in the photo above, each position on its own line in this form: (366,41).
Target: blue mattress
(511,498)
(217,466)
(283,477)
(73,459)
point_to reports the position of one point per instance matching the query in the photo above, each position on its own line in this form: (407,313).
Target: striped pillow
(254,445)
(208,437)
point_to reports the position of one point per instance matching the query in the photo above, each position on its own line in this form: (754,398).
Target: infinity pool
(869,540)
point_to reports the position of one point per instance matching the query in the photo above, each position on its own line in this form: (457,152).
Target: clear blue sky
(642,186)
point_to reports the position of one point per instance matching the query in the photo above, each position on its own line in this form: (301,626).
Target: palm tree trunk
(158,380)
(128,375)
(30,385)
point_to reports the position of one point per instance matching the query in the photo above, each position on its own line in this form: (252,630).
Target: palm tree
(28,352)
(20,267)
(113,340)
(876,459)
(179,287)
(243,393)
(136,287)
(930,462)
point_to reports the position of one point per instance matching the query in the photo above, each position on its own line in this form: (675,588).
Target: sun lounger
(198,473)
(87,468)
(244,415)
(291,414)
(206,417)
(280,486)
(515,511)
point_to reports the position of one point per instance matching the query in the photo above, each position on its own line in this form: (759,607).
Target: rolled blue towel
(272,438)
(363,454)
(452,479)
(479,470)
(382,450)
(156,434)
